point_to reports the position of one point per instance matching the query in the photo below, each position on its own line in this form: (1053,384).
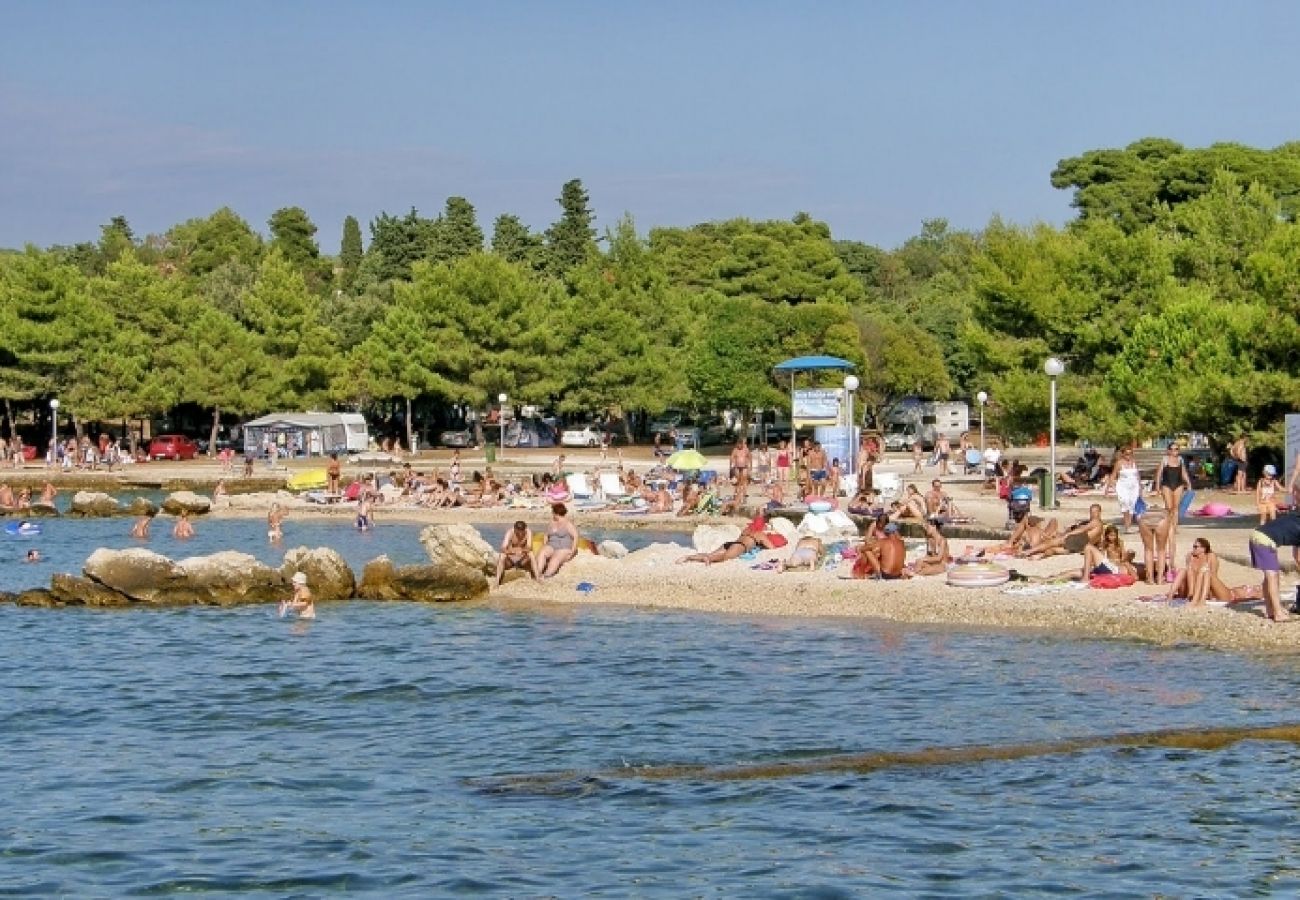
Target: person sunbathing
(808,552)
(1199,580)
(1089,531)
(912,506)
(517,552)
(1109,559)
(884,557)
(748,540)
(937,557)
(1029,531)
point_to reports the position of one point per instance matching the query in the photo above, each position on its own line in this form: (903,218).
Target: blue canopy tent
(808,363)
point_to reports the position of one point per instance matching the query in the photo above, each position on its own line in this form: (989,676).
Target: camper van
(924,422)
(309,433)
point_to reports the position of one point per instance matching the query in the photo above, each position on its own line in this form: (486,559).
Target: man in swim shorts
(1265,540)
(1073,541)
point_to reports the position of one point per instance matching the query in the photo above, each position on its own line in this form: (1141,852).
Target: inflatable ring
(22,528)
(820,506)
(978,574)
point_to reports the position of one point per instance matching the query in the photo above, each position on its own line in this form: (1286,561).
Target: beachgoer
(1029,531)
(818,469)
(866,465)
(1108,559)
(1284,531)
(934,499)
(882,557)
(141,527)
(302,602)
(183,528)
(1266,490)
(333,472)
(248,464)
(740,469)
(33,555)
(275,523)
(763,466)
(1238,454)
(912,506)
(48,493)
(942,450)
(557,467)
(754,535)
(219,493)
(1154,527)
(660,453)
(807,552)
(937,556)
(1089,531)
(1126,480)
(783,462)
(365,513)
(1173,480)
(1199,579)
(516,552)
(561,542)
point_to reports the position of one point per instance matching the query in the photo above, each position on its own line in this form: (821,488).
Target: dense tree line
(1173,299)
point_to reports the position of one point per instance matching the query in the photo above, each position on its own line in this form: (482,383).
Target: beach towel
(1111,581)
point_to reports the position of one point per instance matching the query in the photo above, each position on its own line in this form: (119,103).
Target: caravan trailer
(308,434)
(924,422)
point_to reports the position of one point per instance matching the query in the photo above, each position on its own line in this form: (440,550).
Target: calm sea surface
(228,752)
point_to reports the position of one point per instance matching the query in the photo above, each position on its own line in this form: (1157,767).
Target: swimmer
(141,527)
(33,555)
(183,527)
(274,523)
(302,601)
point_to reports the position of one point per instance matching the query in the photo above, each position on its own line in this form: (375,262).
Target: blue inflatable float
(22,529)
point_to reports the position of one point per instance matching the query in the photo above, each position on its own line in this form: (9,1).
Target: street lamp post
(983,398)
(501,417)
(54,432)
(850,385)
(1053,367)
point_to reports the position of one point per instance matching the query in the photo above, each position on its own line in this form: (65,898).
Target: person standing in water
(302,602)
(183,527)
(275,522)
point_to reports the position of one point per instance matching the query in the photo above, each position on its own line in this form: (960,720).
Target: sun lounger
(611,487)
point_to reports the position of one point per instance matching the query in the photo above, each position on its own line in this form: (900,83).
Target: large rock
(231,577)
(186,501)
(611,550)
(94,504)
(74,590)
(39,510)
(710,536)
(457,545)
(328,576)
(142,506)
(381,580)
(142,575)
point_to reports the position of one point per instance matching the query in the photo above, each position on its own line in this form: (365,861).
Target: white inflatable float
(977,574)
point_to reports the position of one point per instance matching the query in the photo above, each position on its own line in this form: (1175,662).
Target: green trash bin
(1046,490)
(490,452)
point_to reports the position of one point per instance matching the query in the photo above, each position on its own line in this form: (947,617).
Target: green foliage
(199,246)
(900,360)
(294,234)
(350,253)
(572,240)
(513,242)
(396,244)
(455,233)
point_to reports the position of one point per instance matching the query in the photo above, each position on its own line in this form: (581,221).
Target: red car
(172,446)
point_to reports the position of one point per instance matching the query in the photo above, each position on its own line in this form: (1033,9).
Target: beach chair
(611,487)
(579,487)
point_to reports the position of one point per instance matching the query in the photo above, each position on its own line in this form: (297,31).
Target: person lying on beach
(864,503)
(749,539)
(183,528)
(882,557)
(808,552)
(937,557)
(1199,580)
(517,552)
(1073,541)
(690,497)
(1109,559)
(1029,531)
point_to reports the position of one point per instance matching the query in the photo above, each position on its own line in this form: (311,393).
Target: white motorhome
(308,434)
(924,422)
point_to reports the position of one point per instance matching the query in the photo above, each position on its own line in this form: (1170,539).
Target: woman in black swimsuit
(1173,482)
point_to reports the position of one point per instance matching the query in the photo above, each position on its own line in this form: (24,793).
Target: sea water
(386,750)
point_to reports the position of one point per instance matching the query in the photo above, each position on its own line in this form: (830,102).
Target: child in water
(302,601)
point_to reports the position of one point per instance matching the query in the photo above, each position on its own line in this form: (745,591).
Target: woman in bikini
(517,552)
(750,538)
(1173,482)
(1266,490)
(808,552)
(561,542)
(937,556)
(1109,559)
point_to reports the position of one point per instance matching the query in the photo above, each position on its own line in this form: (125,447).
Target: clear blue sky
(869,115)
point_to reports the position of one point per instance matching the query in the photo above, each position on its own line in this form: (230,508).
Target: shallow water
(229,752)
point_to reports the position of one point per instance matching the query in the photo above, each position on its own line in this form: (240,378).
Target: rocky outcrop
(230,577)
(328,576)
(142,506)
(221,579)
(77,590)
(457,545)
(95,505)
(40,510)
(186,501)
(611,550)
(709,536)
(381,580)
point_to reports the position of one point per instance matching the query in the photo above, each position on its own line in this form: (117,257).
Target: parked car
(463,437)
(900,438)
(702,433)
(582,436)
(668,419)
(172,446)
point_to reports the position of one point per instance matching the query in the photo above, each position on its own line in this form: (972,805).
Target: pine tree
(350,252)
(513,242)
(571,240)
(456,232)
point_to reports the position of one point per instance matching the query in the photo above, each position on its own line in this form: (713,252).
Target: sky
(870,116)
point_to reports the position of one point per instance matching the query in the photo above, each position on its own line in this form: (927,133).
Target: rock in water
(186,501)
(381,580)
(230,577)
(142,506)
(142,575)
(328,576)
(457,545)
(94,504)
(611,550)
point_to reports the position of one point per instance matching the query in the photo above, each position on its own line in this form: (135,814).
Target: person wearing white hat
(302,601)
(1266,490)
